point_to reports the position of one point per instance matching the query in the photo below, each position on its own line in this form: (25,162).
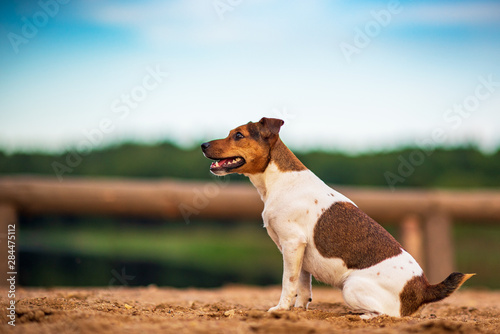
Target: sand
(231,309)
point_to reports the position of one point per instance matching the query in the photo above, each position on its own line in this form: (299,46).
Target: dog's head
(246,150)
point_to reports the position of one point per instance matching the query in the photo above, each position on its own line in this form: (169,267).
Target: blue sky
(345,75)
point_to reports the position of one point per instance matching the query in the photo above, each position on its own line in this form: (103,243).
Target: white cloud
(157,22)
(197,23)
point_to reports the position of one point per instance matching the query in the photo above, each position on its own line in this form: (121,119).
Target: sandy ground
(232,309)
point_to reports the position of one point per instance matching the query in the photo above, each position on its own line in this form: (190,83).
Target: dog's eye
(238,136)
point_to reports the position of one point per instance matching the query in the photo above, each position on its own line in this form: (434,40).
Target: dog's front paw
(303,301)
(278,308)
(301,305)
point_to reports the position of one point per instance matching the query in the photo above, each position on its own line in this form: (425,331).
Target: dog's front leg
(304,291)
(293,255)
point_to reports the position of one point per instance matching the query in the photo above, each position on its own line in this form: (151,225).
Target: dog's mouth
(226,164)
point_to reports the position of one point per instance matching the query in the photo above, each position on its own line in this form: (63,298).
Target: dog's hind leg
(368,297)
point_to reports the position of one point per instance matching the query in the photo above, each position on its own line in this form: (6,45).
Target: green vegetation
(200,254)
(243,249)
(90,251)
(451,168)
(477,250)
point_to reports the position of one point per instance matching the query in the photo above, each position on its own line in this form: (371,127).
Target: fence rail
(424,217)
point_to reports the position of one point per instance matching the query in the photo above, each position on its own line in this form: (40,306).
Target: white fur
(375,290)
(293,202)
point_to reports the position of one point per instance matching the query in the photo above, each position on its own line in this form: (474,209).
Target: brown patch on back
(344,231)
(285,159)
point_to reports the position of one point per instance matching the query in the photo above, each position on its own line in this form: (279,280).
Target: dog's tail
(418,291)
(439,291)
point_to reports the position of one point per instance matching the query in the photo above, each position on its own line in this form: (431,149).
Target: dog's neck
(282,162)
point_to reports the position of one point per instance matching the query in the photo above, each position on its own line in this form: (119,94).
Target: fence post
(439,246)
(8,218)
(412,238)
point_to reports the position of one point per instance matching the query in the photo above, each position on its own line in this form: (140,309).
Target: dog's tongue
(225,161)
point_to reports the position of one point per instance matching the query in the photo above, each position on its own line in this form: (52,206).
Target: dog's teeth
(226,162)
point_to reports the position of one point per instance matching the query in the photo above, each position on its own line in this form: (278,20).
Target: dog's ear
(271,127)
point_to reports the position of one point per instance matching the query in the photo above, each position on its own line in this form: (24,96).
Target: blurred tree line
(407,167)
(69,250)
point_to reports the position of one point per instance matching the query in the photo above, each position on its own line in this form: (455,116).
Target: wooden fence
(424,217)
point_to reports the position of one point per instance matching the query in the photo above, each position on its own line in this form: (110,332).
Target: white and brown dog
(321,232)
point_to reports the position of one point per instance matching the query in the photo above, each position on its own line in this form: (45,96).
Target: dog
(321,232)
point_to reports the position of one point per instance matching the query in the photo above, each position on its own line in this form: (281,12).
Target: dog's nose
(204,146)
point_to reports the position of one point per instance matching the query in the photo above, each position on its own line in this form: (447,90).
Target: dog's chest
(299,199)
(296,214)
(292,208)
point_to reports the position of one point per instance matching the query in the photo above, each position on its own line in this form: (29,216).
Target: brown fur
(344,231)
(412,296)
(418,291)
(254,151)
(260,145)
(285,159)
